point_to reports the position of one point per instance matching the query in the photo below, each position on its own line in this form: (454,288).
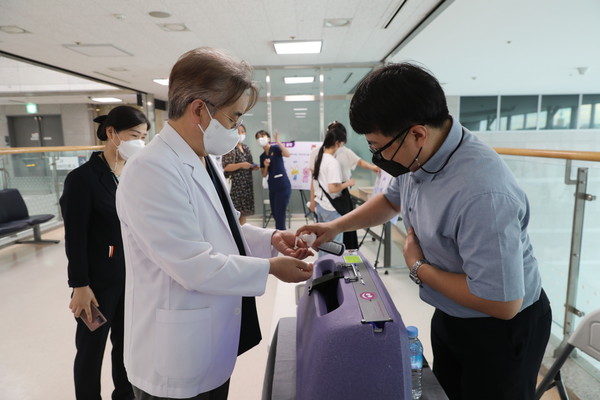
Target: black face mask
(392,167)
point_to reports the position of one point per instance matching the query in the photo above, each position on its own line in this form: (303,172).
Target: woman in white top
(327,180)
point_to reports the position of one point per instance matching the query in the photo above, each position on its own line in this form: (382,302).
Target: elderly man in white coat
(189,263)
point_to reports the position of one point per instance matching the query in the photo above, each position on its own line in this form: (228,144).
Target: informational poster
(296,165)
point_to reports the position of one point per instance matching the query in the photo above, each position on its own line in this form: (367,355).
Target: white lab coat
(184,274)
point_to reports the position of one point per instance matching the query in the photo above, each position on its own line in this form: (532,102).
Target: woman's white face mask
(263,141)
(219,140)
(128,148)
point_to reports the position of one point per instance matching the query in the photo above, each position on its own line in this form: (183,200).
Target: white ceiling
(472,46)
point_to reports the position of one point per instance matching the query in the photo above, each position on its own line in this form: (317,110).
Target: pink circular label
(368,295)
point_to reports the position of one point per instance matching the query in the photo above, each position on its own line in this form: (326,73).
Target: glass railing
(39,174)
(564,192)
(565,237)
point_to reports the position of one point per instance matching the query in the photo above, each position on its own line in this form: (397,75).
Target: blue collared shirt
(471,218)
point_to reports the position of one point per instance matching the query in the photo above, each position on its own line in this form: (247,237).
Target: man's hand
(325,232)
(412,248)
(285,242)
(288,269)
(80,301)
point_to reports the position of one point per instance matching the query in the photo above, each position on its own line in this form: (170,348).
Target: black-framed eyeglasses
(377,152)
(236,123)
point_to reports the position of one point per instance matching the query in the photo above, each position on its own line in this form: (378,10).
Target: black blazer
(92,226)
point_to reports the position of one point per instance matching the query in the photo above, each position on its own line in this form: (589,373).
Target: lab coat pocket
(183,338)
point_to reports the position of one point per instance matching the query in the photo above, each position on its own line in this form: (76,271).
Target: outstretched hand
(288,269)
(285,242)
(324,231)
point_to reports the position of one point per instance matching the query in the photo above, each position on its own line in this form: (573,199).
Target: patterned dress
(242,189)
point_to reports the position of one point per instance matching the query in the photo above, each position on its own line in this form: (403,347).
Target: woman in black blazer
(95,249)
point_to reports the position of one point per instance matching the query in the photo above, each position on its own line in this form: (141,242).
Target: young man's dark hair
(396,96)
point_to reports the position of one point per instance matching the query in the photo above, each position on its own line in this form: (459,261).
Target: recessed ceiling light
(300,116)
(173,27)
(299,97)
(159,14)
(164,82)
(120,17)
(12,29)
(290,80)
(98,50)
(106,99)
(336,22)
(298,47)
(300,109)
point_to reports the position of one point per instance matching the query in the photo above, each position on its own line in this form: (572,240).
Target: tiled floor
(37,329)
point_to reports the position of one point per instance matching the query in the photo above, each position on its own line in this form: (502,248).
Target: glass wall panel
(343,80)
(559,112)
(589,113)
(518,112)
(479,113)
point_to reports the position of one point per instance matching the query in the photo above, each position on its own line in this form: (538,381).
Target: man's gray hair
(209,75)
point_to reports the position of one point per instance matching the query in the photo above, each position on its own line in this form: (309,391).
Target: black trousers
(91,345)
(490,358)
(219,393)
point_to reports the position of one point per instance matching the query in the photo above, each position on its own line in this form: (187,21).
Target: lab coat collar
(199,173)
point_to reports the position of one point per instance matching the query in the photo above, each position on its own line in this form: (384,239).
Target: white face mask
(263,141)
(219,140)
(128,148)
(242,138)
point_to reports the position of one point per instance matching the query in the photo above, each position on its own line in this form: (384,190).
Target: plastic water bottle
(416,361)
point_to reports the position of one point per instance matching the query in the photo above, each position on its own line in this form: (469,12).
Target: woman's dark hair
(120,118)
(396,96)
(260,133)
(339,130)
(330,140)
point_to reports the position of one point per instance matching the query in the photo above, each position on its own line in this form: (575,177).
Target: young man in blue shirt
(467,245)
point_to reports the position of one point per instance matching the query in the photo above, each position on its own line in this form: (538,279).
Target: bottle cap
(412,331)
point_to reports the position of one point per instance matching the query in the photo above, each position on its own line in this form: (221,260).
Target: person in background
(96,266)
(238,166)
(271,164)
(348,161)
(192,270)
(467,245)
(328,184)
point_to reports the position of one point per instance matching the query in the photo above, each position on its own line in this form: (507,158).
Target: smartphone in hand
(98,319)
